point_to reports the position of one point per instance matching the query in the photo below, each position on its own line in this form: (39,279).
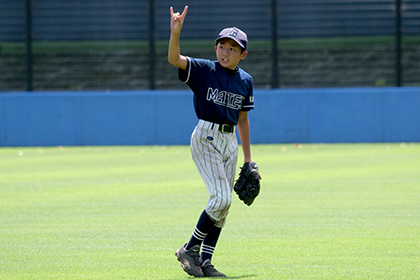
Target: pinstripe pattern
(215,155)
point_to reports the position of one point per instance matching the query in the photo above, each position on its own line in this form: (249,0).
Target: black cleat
(190,260)
(209,270)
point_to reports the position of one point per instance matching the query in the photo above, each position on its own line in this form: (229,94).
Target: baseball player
(223,95)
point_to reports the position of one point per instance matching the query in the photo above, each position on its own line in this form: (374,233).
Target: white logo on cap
(233,33)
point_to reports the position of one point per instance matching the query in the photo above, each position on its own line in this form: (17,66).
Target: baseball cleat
(190,260)
(209,270)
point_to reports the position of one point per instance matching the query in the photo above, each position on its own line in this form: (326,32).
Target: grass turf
(336,211)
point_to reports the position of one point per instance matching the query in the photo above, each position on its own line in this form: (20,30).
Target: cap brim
(233,39)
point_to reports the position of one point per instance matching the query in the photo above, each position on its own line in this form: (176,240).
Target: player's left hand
(247,187)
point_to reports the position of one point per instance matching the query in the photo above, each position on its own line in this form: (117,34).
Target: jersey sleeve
(184,75)
(197,70)
(248,102)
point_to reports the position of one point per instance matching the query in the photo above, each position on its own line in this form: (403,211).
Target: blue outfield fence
(167,117)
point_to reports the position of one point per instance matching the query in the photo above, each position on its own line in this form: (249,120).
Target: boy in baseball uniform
(223,95)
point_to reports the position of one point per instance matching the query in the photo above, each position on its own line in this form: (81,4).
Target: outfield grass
(336,211)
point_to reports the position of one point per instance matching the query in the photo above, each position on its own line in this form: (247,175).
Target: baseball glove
(247,187)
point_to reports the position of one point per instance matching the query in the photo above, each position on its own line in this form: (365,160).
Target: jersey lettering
(224,98)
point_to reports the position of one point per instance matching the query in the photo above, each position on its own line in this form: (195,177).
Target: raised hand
(177,20)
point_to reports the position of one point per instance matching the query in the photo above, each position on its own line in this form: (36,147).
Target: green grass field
(326,211)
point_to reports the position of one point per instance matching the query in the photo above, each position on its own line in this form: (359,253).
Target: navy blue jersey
(219,94)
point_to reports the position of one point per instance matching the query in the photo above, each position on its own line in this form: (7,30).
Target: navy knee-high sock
(209,244)
(204,225)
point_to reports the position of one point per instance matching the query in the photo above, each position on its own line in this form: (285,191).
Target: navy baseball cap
(235,34)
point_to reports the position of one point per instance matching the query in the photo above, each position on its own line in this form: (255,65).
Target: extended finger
(184,12)
(172,12)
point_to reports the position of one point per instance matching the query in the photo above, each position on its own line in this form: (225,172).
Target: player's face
(229,53)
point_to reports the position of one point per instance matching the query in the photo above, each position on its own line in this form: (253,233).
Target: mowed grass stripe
(326,211)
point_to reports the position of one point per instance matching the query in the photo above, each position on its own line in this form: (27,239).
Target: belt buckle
(226,128)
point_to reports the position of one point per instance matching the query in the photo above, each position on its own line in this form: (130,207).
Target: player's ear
(244,54)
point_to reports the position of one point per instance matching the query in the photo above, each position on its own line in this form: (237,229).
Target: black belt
(226,128)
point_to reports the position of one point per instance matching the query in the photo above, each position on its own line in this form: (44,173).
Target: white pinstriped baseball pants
(215,155)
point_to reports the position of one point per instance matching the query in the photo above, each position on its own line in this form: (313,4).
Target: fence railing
(106,45)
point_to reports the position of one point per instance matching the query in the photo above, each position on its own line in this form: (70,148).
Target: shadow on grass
(240,277)
(234,277)
(229,277)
